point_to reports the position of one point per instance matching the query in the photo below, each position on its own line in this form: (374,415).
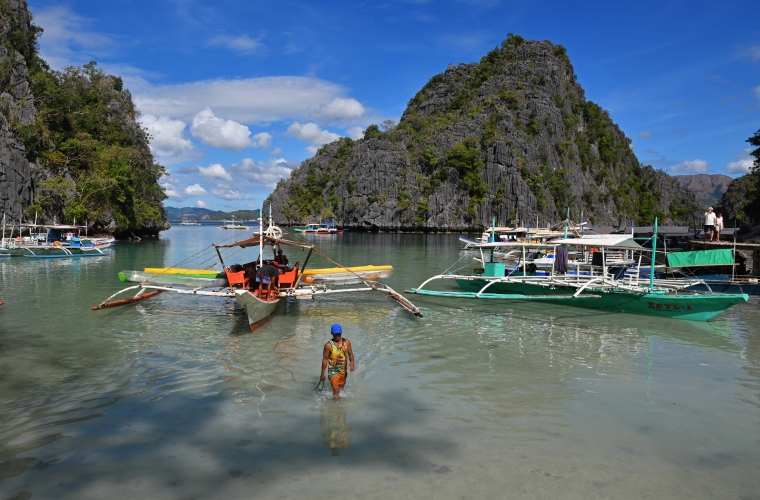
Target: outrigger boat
(231,225)
(238,281)
(54,241)
(322,228)
(595,289)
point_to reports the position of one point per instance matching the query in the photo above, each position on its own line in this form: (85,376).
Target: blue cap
(336,329)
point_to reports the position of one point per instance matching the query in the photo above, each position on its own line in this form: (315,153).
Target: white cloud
(690,167)
(215,171)
(172,191)
(262,140)
(756,91)
(66,39)
(229,194)
(277,152)
(312,150)
(195,190)
(355,133)
(645,134)
(243,43)
(267,173)
(743,164)
(251,100)
(341,109)
(311,133)
(166,135)
(220,133)
(201,204)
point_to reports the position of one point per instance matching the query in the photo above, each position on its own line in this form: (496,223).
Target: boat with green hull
(596,289)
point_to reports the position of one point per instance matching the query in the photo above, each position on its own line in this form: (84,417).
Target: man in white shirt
(709,224)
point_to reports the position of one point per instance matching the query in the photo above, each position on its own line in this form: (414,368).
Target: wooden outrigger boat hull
(258,310)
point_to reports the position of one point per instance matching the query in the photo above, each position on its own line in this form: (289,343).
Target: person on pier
(709,224)
(718,226)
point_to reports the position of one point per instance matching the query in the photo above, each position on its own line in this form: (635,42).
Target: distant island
(204,214)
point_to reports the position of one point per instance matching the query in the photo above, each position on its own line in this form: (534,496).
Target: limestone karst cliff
(16,107)
(70,146)
(512,137)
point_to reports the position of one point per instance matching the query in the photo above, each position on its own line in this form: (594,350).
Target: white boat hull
(258,310)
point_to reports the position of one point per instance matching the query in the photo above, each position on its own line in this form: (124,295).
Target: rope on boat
(404,302)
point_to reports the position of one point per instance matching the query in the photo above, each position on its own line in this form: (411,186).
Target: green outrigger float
(664,298)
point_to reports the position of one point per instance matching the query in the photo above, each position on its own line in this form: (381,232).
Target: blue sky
(236,94)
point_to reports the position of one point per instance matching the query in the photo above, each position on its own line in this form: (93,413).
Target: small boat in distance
(232,225)
(320,228)
(189,222)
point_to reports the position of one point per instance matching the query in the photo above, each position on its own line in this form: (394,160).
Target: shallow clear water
(175,398)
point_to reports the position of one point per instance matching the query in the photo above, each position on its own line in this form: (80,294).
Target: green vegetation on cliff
(741,201)
(86,137)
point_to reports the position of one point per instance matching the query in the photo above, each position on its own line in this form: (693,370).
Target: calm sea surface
(174,397)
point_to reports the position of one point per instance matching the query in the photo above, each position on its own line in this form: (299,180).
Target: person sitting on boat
(281,259)
(334,357)
(267,275)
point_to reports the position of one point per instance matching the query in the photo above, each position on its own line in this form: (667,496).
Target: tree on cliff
(755,141)
(741,201)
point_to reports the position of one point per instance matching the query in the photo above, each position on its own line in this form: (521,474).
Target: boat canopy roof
(721,257)
(52,226)
(600,240)
(254,241)
(597,240)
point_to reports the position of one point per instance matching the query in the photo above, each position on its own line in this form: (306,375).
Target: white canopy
(599,240)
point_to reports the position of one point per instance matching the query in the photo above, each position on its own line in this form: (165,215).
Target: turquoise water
(174,397)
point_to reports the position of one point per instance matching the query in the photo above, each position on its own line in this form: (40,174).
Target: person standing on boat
(334,356)
(718,226)
(267,275)
(709,224)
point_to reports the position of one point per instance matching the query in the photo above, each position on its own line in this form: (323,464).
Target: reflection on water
(174,397)
(336,433)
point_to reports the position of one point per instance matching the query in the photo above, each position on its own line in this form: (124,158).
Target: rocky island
(511,137)
(70,146)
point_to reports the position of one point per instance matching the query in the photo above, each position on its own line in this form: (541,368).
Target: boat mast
(733,267)
(654,253)
(567,221)
(261,236)
(493,236)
